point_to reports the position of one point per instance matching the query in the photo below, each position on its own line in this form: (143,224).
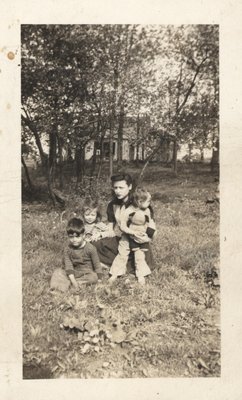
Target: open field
(169,328)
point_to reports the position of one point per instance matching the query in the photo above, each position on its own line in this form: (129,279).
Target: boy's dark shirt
(81,260)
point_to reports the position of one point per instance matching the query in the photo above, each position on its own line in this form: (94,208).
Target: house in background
(132,134)
(131,151)
(106,149)
(136,143)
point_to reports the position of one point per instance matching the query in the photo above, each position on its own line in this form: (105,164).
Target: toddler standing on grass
(138,221)
(81,261)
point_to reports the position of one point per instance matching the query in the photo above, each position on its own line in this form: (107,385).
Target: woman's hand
(95,237)
(125,229)
(108,234)
(141,238)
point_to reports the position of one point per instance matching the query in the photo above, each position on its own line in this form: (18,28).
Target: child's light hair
(141,195)
(90,204)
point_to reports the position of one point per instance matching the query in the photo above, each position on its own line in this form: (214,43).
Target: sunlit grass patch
(171,325)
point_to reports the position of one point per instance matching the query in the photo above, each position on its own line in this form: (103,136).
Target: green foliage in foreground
(169,328)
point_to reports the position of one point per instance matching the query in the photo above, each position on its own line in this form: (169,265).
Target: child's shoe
(141,280)
(112,279)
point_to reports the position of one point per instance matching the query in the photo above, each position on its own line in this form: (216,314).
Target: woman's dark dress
(107,248)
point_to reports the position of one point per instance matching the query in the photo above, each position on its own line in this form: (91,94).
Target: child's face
(143,204)
(76,239)
(90,216)
(121,189)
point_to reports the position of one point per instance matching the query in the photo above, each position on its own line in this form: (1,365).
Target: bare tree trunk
(52,153)
(111,155)
(149,158)
(137,138)
(27,174)
(202,153)
(95,146)
(111,146)
(80,167)
(175,156)
(94,159)
(30,124)
(215,156)
(69,154)
(101,158)
(163,156)
(167,151)
(60,147)
(143,152)
(51,164)
(189,152)
(120,136)
(50,186)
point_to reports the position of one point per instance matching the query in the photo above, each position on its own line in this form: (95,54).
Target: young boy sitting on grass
(81,260)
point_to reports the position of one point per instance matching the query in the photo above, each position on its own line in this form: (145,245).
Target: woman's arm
(124,228)
(141,238)
(100,231)
(109,232)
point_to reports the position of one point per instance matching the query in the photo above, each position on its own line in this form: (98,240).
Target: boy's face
(76,239)
(121,189)
(90,216)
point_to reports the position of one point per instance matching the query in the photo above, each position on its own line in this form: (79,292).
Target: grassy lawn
(169,328)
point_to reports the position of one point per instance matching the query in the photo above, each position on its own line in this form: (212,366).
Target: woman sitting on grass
(117,211)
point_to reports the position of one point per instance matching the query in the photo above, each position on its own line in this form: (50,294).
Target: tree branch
(191,87)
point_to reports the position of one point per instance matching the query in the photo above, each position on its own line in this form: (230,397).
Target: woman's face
(121,189)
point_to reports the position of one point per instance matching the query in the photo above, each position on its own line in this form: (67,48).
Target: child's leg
(119,263)
(141,267)
(59,280)
(88,278)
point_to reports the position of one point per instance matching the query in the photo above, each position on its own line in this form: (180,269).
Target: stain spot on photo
(11,55)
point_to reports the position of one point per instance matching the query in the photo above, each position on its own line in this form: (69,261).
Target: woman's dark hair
(122,177)
(75,225)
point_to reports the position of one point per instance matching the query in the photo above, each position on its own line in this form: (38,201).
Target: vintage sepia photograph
(120,201)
